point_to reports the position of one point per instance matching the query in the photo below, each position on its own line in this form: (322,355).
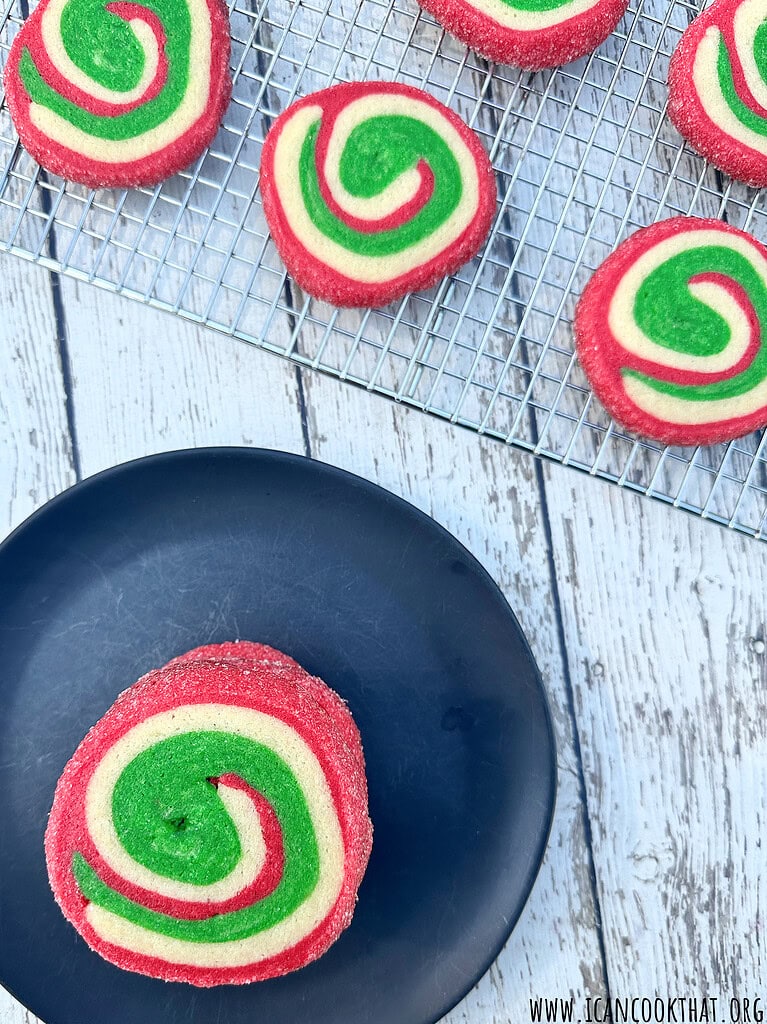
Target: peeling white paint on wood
(144,382)
(35,449)
(664,618)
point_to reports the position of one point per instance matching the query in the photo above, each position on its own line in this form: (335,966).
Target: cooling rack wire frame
(584,155)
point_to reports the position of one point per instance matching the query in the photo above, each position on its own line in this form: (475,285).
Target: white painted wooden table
(648,627)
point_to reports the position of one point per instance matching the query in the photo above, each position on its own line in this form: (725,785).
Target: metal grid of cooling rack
(584,155)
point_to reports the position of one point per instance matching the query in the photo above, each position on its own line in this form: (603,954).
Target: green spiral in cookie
(106,49)
(376,152)
(669,314)
(170,819)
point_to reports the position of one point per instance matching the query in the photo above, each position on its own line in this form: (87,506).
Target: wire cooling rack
(584,155)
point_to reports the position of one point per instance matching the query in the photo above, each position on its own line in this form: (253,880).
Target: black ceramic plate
(154,557)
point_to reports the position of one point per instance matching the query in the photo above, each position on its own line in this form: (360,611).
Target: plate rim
(378,490)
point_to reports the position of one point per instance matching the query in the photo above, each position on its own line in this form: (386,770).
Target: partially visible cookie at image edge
(718,88)
(670,331)
(112,96)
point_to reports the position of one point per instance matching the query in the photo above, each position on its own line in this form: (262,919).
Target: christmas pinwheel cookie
(718,88)
(671,332)
(531,34)
(118,94)
(212,827)
(373,190)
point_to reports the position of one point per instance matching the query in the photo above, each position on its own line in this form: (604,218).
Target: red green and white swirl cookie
(212,827)
(718,88)
(119,93)
(531,34)
(373,190)
(671,332)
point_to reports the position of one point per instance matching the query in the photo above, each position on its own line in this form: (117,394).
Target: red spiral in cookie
(372,190)
(212,827)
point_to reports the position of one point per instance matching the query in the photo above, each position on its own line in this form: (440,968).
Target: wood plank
(146,382)
(664,620)
(35,449)
(488,497)
(659,618)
